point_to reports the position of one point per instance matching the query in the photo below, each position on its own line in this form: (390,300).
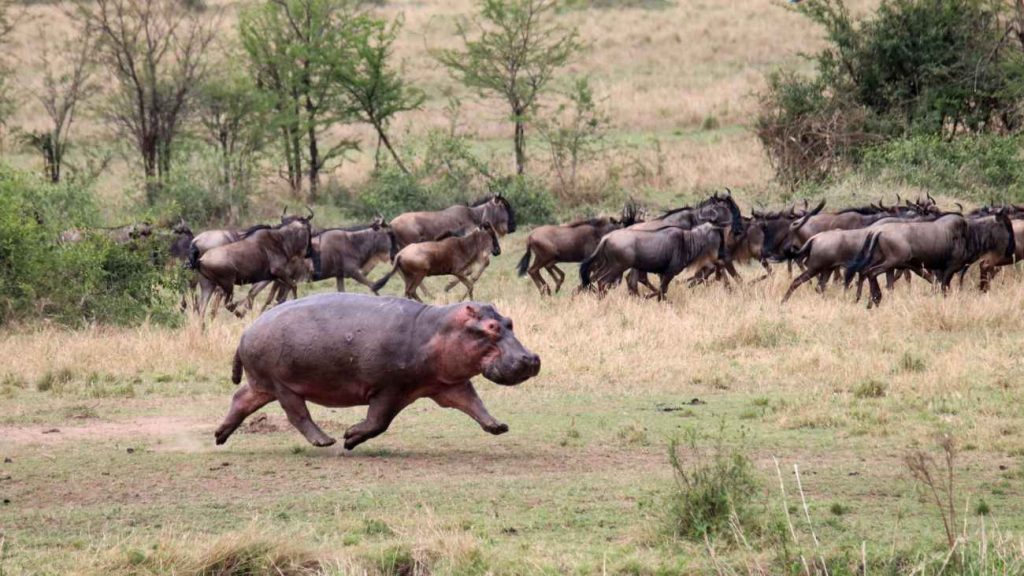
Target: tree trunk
(382,137)
(520,142)
(314,164)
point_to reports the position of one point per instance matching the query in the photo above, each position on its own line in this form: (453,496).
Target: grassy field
(107,460)
(110,467)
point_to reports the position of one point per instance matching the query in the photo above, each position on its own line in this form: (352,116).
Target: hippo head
(487,337)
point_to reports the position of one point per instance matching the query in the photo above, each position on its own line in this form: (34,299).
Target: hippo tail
(384,279)
(236,367)
(524,263)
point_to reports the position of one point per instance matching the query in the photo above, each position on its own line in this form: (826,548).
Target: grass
(577,484)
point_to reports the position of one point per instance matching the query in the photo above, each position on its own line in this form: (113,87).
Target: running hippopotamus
(350,350)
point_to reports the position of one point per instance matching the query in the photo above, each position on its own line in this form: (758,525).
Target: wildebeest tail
(236,368)
(524,263)
(193,257)
(863,258)
(384,279)
(586,267)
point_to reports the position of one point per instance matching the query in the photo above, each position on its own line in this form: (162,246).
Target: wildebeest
(452,255)
(573,242)
(117,234)
(352,253)
(990,263)
(944,246)
(496,211)
(826,252)
(265,255)
(181,242)
(665,252)
(343,350)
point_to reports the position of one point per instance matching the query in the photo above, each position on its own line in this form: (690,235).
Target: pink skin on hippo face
(350,349)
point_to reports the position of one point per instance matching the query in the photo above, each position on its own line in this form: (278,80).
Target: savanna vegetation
(717,432)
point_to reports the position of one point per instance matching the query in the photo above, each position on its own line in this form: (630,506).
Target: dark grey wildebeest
(944,246)
(352,253)
(666,252)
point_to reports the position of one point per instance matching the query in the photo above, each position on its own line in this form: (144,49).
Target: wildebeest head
(498,212)
(495,246)
(503,359)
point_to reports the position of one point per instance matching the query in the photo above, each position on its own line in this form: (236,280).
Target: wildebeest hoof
(497,429)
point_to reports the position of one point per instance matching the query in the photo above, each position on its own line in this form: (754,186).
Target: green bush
(94,280)
(392,192)
(533,202)
(985,168)
(721,483)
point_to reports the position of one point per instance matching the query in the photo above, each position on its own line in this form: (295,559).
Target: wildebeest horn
(311,213)
(960,206)
(285,211)
(728,192)
(932,200)
(898,200)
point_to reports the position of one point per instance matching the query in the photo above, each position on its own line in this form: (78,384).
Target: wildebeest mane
(588,222)
(253,229)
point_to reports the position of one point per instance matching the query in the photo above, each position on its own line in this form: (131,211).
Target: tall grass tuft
(719,486)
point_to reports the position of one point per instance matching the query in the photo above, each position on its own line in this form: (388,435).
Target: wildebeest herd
(346,350)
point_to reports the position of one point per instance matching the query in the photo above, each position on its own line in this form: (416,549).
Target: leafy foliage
(97,280)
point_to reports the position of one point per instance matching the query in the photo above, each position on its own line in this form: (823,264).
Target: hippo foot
(497,429)
(323,442)
(221,436)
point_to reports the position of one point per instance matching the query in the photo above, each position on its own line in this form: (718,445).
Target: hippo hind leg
(298,414)
(246,401)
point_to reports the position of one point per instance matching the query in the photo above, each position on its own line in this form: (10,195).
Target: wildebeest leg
(340,282)
(803,277)
(463,397)
(890,280)
(245,401)
(535,275)
(875,289)
(557,274)
(633,283)
(206,289)
(295,407)
(731,269)
(381,412)
(823,279)
(358,276)
(468,282)
(642,277)
(985,279)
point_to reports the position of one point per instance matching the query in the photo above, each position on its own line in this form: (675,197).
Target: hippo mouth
(507,373)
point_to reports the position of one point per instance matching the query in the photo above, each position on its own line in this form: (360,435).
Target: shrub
(197,193)
(391,192)
(93,280)
(531,200)
(986,168)
(721,484)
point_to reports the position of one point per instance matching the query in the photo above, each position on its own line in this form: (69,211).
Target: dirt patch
(263,424)
(139,428)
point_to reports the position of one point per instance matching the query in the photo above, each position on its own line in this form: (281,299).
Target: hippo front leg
(463,397)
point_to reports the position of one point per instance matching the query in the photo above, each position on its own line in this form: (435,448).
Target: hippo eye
(508,324)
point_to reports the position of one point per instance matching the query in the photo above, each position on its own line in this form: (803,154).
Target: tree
(575,134)
(377,92)
(515,54)
(65,85)
(155,53)
(232,116)
(297,50)
(9,19)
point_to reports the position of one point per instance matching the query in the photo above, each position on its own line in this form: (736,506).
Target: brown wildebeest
(826,252)
(944,246)
(343,350)
(452,255)
(665,252)
(265,255)
(550,245)
(413,227)
(353,253)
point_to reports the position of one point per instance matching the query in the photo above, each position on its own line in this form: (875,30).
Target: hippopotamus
(344,350)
